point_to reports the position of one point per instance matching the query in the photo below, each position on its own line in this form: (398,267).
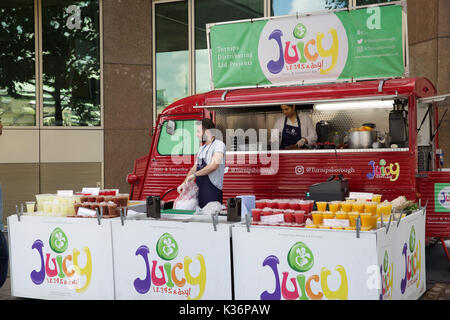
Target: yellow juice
(328,215)
(346,206)
(321,206)
(334,206)
(366,220)
(376,198)
(341,215)
(371,207)
(358,207)
(317,217)
(386,210)
(352,216)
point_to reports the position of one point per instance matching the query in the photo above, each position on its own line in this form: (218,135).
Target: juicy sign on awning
(359,44)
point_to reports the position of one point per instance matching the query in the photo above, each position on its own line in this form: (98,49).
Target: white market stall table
(274,263)
(175,257)
(60,258)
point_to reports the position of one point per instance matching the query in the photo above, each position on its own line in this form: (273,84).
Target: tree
(70,53)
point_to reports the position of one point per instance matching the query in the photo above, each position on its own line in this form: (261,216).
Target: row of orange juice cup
(368,220)
(373,207)
(368,211)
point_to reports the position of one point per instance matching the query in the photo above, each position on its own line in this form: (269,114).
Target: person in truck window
(209,166)
(295,131)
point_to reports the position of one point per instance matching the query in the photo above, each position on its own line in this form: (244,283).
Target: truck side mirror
(170,127)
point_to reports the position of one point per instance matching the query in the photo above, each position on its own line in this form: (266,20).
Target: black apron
(207,191)
(290,135)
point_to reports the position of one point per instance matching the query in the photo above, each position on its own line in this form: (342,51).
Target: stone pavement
(437,273)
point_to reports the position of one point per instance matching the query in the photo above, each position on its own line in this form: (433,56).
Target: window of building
(285,7)
(71,63)
(209,11)
(172,55)
(50,63)
(18,63)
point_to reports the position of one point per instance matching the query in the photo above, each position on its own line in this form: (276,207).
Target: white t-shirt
(207,151)
(307,128)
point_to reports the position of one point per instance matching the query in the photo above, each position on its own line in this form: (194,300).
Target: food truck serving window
(359,123)
(182,141)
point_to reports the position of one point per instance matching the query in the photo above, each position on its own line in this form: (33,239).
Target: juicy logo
(384,171)
(301,259)
(413,265)
(61,269)
(169,281)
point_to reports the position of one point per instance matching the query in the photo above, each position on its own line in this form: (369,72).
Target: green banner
(442,197)
(359,44)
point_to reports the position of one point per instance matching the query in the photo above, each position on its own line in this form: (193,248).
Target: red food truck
(407,162)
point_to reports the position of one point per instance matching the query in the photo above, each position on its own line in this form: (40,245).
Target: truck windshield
(182,142)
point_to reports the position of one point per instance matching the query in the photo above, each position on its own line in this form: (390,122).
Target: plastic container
(283,204)
(317,217)
(289,217)
(299,216)
(321,206)
(256,214)
(260,204)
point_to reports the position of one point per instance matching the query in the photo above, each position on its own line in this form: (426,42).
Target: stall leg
(444,246)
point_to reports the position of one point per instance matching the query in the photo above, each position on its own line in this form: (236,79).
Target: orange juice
(321,206)
(328,215)
(373,221)
(376,198)
(371,207)
(334,206)
(341,215)
(358,207)
(317,217)
(379,209)
(389,205)
(346,206)
(366,220)
(386,210)
(352,216)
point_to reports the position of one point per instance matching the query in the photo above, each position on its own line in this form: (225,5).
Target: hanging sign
(364,43)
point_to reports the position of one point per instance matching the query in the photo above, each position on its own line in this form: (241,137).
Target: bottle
(336,138)
(440,155)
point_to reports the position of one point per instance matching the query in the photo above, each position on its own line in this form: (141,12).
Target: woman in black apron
(290,135)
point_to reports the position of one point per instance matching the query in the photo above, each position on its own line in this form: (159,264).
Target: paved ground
(437,273)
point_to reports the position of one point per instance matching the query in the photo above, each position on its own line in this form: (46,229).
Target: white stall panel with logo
(60,258)
(170,260)
(410,274)
(274,263)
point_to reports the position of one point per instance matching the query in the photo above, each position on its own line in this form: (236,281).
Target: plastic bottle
(336,138)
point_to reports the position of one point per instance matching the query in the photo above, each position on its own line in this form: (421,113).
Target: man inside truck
(295,131)
(209,167)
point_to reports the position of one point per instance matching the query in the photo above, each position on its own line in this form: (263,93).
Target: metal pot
(361,139)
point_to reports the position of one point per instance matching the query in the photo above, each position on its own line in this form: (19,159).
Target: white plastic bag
(188,199)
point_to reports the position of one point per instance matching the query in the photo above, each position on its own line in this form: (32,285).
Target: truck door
(172,155)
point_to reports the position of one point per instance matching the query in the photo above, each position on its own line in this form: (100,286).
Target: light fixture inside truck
(351,105)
